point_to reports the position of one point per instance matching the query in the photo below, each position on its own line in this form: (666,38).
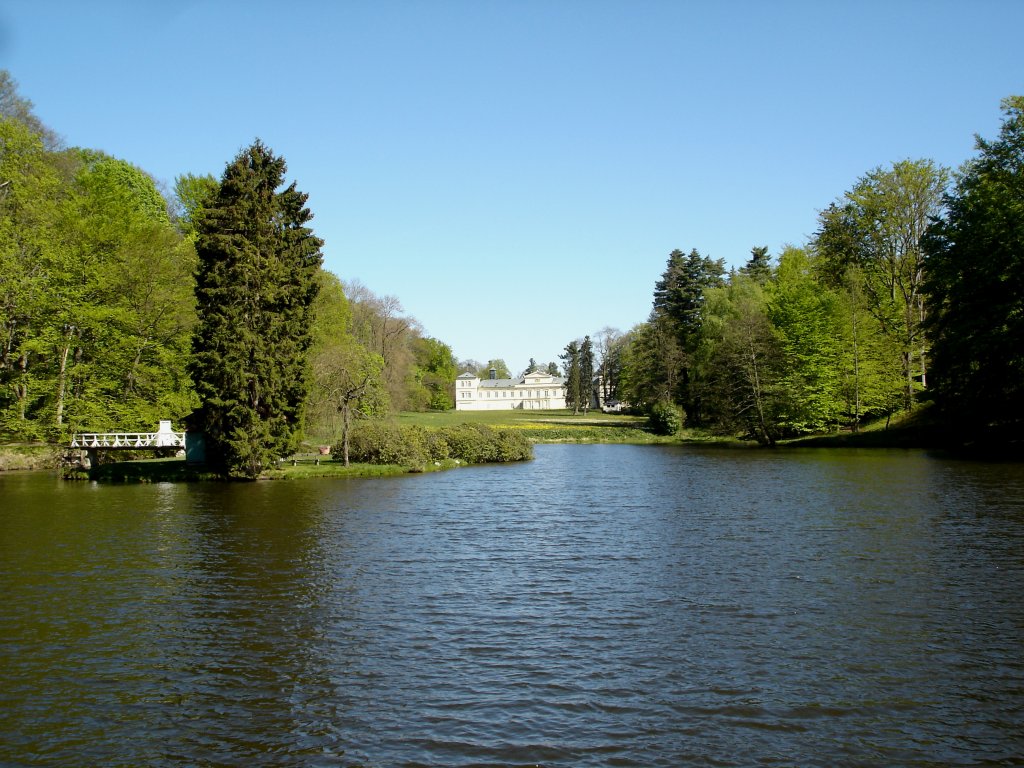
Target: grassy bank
(916,429)
(30,456)
(548,426)
(298,467)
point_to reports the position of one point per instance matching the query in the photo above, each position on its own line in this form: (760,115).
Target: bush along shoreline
(376,449)
(387,447)
(416,447)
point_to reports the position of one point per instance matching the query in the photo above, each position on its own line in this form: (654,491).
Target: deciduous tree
(740,358)
(878,227)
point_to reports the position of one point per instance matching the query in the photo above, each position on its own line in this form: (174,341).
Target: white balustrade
(164,438)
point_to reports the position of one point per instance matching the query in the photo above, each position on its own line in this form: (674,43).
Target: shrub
(383,442)
(665,418)
(468,442)
(510,445)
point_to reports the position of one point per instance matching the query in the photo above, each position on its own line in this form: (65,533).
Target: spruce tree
(678,308)
(976,290)
(255,286)
(573,381)
(586,373)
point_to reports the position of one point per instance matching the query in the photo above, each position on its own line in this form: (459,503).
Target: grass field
(514,418)
(547,426)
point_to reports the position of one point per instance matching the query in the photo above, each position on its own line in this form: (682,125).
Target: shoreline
(917,431)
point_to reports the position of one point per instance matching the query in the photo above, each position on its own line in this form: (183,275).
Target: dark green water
(600,606)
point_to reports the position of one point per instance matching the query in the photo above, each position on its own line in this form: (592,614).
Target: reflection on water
(602,605)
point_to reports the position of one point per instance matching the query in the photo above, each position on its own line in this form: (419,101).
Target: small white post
(165,435)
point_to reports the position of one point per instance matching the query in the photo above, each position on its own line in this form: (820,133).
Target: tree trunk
(62,378)
(856,371)
(21,388)
(908,372)
(345,421)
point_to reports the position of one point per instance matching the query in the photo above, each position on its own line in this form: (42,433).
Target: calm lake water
(599,606)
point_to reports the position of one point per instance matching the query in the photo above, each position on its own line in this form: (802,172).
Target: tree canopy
(255,287)
(975,283)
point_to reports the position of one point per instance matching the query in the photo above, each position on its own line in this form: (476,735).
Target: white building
(534,391)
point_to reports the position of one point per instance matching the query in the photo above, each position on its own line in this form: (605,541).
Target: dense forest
(98,300)
(910,291)
(122,303)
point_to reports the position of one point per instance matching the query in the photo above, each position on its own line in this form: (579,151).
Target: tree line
(909,291)
(122,303)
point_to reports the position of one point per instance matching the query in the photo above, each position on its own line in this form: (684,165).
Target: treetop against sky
(518,173)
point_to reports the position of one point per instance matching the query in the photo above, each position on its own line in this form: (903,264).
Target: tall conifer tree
(255,287)
(573,382)
(586,373)
(976,286)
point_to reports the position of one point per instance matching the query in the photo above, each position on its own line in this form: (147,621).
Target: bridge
(92,442)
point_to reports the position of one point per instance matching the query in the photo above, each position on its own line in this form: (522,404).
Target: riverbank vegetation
(122,303)
(910,292)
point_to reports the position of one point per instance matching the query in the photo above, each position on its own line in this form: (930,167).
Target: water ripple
(602,605)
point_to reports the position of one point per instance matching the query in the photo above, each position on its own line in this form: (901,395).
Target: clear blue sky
(516,173)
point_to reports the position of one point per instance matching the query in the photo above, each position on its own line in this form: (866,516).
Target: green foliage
(654,365)
(573,376)
(18,109)
(98,302)
(679,294)
(30,212)
(676,321)
(95,293)
(501,370)
(192,194)
(870,364)
(759,266)
(384,442)
(740,362)
(665,418)
(976,286)
(586,385)
(113,178)
(805,316)
(255,287)
(877,228)
(435,373)
(610,345)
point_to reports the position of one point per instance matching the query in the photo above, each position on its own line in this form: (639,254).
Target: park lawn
(560,426)
(512,418)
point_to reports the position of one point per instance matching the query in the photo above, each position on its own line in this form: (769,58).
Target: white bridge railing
(165,437)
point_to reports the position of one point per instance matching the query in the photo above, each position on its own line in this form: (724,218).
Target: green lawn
(516,418)
(547,426)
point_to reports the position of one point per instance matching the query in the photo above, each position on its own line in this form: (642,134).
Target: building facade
(534,391)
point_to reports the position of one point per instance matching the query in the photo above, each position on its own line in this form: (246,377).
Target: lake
(602,605)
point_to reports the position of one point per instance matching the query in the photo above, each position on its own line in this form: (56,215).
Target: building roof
(556,381)
(530,379)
